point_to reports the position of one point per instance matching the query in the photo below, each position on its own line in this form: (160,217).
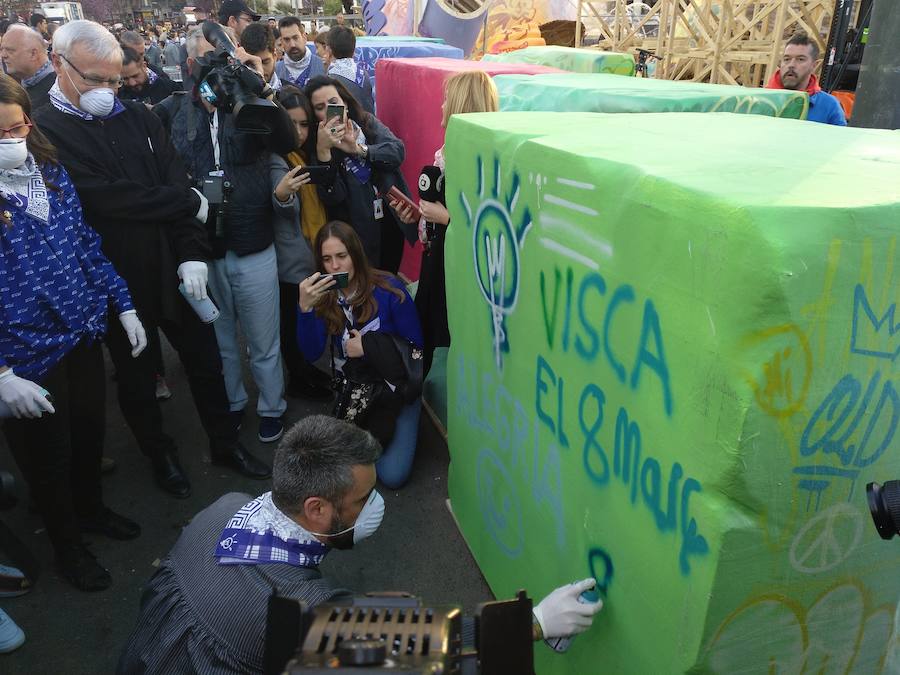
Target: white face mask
(96,102)
(367,522)
(13,153)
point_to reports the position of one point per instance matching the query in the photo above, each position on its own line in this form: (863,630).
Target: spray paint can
(205,309)
(6,413)
(562,644)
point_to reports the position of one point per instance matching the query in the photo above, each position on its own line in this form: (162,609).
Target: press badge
(213,187)
(379,208)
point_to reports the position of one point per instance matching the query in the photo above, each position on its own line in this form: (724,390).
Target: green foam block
(675,366)
(570,58)
(608,93)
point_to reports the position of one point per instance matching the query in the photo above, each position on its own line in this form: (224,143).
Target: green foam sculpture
(608,93)
(675,366)
(569,58)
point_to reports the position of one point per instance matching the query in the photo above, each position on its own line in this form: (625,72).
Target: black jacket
(244,224)
(345,198)
(39,92)
(135,192)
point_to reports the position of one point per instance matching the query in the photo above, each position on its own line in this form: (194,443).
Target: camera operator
(232,168)
(135,193)
(204,610)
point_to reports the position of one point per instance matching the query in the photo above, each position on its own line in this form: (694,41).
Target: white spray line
(576,184)
(711,324)
(552,245)
(554,223)
(566,204)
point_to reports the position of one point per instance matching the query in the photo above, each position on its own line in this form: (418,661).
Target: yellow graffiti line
(778,380)
(818,311)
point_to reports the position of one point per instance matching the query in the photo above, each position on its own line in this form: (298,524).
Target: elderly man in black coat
(135,193)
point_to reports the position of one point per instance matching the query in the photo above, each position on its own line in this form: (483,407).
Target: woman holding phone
(368,323)
(466,92)
(299,215)
(366,157)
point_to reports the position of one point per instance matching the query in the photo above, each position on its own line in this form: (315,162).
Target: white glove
(134,329)
(194,274)
(24,397)
(560,614)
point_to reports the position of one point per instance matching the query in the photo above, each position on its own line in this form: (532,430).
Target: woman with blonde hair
(467,92)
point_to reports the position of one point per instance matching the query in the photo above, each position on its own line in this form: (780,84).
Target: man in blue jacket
(798,63)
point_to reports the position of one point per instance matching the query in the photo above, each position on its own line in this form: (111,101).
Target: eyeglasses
(93,81)
(18,131)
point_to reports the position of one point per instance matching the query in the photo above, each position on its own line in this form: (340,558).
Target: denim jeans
(395,464)
(245,288)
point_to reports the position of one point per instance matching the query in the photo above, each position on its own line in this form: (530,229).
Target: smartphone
(341,279)
(335,110)
(395,195)
(316,173)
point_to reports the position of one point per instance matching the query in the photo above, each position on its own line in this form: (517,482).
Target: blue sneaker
(11,636)
(270,429)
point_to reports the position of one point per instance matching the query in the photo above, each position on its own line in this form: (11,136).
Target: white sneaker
(11,636)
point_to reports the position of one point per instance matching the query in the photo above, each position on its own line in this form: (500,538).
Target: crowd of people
(131,198)
(136,206)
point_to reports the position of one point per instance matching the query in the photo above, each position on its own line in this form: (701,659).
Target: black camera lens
(884,504)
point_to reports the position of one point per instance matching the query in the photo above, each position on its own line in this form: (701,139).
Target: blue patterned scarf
(259,533)
(349,70)
(60,102)
(24,188)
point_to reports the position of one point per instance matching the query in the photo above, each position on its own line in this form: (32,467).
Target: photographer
(135,193)
(323,497)
(231,167)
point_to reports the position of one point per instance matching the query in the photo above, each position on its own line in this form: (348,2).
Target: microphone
(431,185)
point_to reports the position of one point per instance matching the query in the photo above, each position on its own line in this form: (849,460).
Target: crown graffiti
(874,335)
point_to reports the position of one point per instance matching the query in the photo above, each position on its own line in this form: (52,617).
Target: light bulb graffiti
(499,228)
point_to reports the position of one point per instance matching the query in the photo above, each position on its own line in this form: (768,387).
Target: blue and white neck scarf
(60,102)
(275,82)
(24,188)
(298,71)
(42,72)
(260,534)
(151,76)
(348,69)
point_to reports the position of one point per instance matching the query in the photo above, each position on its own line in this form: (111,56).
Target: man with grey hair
(204,610)
(25,58)
(135,193)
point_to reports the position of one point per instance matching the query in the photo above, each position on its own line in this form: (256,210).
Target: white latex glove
(560,614)
(134,329)
(24,397)
(194,274)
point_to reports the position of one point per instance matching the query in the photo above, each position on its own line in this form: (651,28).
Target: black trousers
(59,454)
(198,351)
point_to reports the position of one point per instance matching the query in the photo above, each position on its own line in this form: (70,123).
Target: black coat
(39,92)
(345,198)
(135,192)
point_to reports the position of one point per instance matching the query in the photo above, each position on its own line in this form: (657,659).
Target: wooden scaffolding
(719,41)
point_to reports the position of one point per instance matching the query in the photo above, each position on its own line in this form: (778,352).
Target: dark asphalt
(417,549)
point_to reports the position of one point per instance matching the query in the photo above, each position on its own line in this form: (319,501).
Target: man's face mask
(368,520)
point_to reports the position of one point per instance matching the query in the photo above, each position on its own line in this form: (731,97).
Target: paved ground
(417,548)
